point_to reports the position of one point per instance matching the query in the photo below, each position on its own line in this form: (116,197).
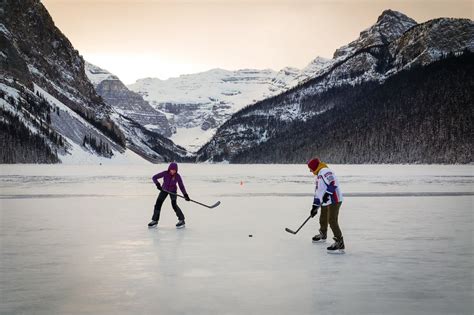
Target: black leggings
(159,202)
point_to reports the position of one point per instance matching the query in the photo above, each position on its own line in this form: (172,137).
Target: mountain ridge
(372,63)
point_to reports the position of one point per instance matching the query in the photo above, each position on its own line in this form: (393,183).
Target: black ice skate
(153,223)
(320,238)
(338,247)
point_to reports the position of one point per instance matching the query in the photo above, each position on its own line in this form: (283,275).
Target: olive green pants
(329,215)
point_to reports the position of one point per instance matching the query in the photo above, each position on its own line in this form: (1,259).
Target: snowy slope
(70,126)
(73,127)
(77,154)
(315,68)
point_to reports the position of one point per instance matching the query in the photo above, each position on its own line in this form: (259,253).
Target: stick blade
(290,231)
(215,205)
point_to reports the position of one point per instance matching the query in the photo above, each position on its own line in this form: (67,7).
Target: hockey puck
(250,235)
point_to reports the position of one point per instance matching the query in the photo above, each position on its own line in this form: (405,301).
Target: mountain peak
(391,15)
(319,59)
(390,26)
(316,66)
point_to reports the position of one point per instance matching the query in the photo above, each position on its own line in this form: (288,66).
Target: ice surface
(74,240)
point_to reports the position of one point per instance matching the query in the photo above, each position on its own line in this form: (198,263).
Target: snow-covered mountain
(196,104)
(394,44)
(313,69)
(145,128)
(50,110)
(126,102)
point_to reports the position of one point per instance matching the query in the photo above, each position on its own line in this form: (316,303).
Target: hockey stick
(210,207)
(293,232)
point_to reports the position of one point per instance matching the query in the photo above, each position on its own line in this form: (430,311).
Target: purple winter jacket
(169,182)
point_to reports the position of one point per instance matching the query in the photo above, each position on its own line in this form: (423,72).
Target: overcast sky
(164,38)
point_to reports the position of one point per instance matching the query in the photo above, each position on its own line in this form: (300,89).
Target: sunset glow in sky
(164,38)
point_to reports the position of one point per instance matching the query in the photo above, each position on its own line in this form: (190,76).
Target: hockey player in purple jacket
(171,181)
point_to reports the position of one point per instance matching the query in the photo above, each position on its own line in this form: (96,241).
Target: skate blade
(337,252)
(181,227)
(320,241)
(153,226)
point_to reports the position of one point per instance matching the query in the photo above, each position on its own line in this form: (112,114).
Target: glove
(314,211)
(326,197)
(186,197)
(158,185)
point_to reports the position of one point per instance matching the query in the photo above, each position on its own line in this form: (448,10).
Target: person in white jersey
(328,196)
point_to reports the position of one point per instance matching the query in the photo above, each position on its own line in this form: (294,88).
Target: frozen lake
(74,241)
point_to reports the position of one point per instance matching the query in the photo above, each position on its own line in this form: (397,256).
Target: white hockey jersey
(325,178)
